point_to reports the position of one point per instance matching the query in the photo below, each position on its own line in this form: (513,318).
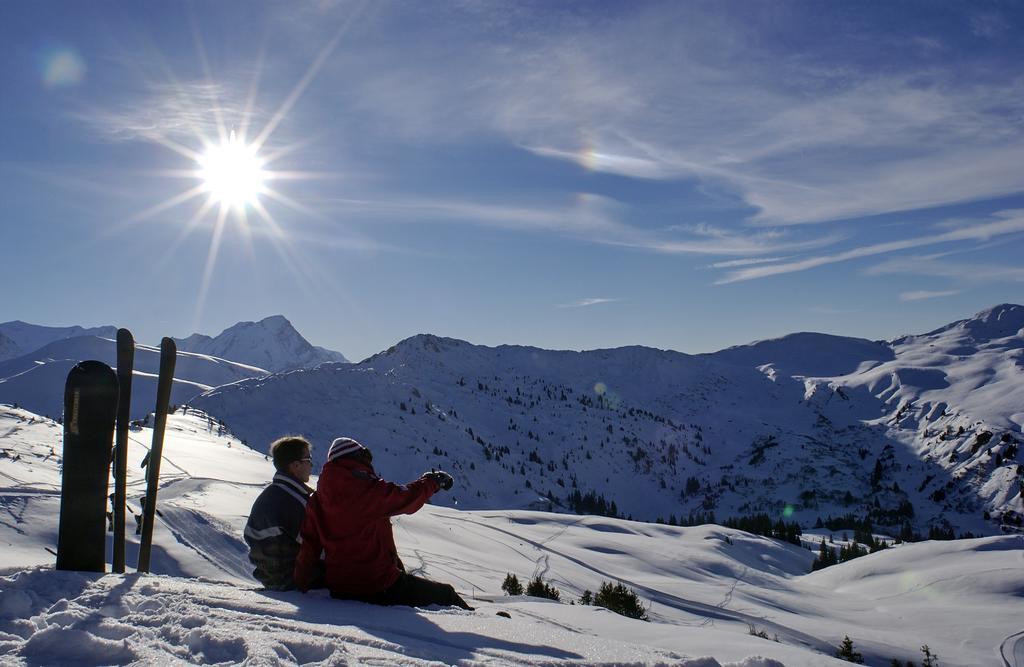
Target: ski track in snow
(681,604)
(1011,650)
(163,460)
(197,531)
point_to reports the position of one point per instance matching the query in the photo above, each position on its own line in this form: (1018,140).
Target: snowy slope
(952,399)
(706,586)
(36,381)
(18,338)
(272,343)
(893,435)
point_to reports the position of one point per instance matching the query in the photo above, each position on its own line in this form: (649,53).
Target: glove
(443,479)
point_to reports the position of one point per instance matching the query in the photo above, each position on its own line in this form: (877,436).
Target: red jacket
(347,519)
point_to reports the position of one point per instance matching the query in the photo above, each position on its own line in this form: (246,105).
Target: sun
(232,173)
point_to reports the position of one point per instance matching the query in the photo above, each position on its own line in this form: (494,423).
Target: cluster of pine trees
(762,524)
(615,597)
(592,503)
(694,519)
(862,544)
(536,588)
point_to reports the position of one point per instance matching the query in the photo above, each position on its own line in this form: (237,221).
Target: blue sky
(568,175)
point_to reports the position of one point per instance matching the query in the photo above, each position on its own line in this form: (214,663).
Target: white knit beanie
(342,446)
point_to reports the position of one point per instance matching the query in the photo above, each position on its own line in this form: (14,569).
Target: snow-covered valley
(708,588)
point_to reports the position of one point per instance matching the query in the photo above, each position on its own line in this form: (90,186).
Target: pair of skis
(93,397)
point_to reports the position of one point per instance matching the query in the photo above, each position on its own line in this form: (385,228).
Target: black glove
(443,479)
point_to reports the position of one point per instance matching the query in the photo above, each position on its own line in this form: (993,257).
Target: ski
(125,364)
(90,403)
(168,356)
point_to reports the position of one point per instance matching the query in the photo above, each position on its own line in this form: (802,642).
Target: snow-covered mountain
(272,343)
(18,338)
(715,596)
(921,431)
(35,381)
(35,378)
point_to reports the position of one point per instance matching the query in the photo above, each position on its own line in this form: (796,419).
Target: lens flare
(62,66)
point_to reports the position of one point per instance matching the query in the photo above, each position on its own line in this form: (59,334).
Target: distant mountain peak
(421,342)
(432,343)
(270,322)
(1001,321)
(1004,312)
(275,321)
(271,343)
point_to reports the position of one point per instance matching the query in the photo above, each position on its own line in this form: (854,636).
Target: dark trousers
(413,591)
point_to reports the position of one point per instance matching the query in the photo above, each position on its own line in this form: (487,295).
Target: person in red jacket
(348,520)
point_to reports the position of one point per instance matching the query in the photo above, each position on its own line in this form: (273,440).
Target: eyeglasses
(305,460)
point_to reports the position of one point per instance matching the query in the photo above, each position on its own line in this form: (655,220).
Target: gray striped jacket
(272,531)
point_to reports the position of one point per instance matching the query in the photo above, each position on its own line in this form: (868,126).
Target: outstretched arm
(389,499)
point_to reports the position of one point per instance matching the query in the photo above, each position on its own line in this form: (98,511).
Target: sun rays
(230,169)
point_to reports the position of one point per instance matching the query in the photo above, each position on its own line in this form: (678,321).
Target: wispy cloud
(177,110)
(920,295)
(583,303)
(681,92)
(962,273)
(587,217)
(989,25)
(975,232)
(733,263)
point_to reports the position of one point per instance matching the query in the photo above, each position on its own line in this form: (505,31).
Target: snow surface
(707,587)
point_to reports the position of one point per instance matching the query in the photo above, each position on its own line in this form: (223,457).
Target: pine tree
(511,586)
(930,659)
(826,556)
(847,653)
(538,589)
(621,600)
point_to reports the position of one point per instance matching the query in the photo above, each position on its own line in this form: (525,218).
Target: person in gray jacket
(272,531)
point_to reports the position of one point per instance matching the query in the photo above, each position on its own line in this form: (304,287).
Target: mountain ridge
(890,428)
(18,337)
(36,380)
